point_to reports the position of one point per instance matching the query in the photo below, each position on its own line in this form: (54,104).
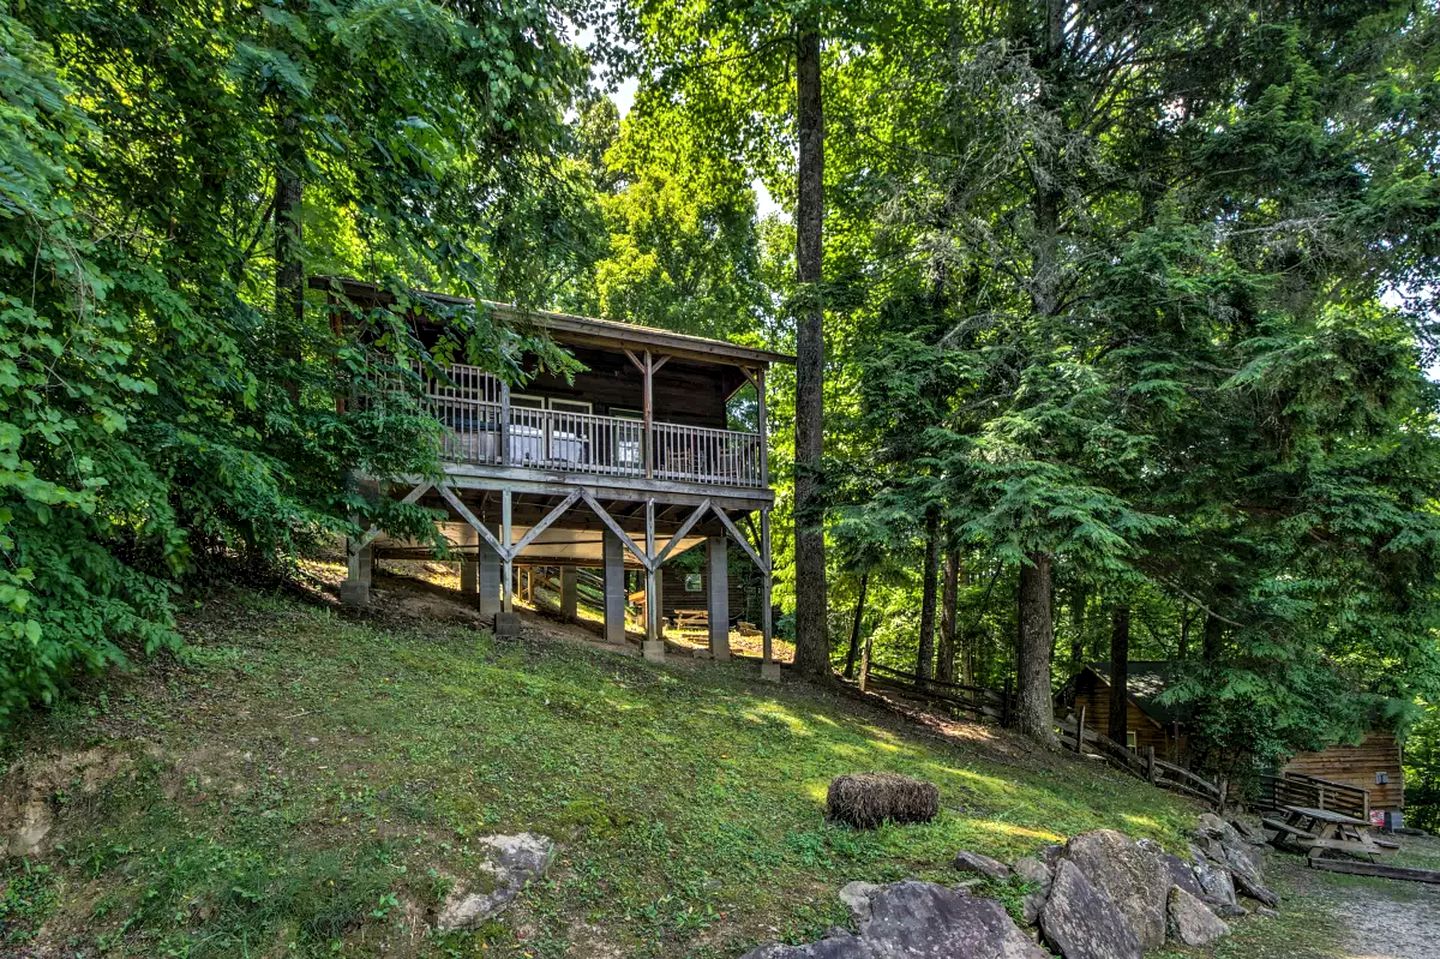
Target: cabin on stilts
(631,462)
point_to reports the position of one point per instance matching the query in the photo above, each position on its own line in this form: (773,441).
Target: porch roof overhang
(578,330)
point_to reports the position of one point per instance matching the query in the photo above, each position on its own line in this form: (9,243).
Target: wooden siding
(1357,765)
(1093,694)
(674,595)
(685,393)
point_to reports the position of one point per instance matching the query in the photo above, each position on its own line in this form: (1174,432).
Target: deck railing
(472,408)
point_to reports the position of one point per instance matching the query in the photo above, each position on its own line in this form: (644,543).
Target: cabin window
(1382,778)
(1130,741)
(693,583)
(527,428)
(627,445)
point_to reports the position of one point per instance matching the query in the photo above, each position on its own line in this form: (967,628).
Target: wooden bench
(1281,826)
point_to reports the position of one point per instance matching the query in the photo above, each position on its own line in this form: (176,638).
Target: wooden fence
(1081,739)
(954,698)
(980,702)
(1297,789)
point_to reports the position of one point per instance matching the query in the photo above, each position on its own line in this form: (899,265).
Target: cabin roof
(580,330)
(1145,681)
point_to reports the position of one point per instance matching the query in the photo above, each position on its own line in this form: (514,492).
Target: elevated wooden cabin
(634,461)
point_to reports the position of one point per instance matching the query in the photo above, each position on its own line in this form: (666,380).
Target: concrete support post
(613,555)
(569,600)
(355,591)
(717,581)
(488,562)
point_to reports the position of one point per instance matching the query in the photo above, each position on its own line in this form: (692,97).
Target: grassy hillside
(306,783)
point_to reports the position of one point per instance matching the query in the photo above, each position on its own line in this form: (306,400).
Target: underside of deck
(500,519)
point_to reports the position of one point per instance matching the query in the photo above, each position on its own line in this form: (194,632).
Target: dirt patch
(33,790)
(1375,918)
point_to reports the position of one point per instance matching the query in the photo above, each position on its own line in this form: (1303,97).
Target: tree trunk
(1213,640)
(812,641)
(949,601)
(855,626)
(1034,708)
(930,572)
(1036,646)
(1119,674)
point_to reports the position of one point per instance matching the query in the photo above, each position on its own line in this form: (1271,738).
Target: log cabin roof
(577,330)
(1145,681)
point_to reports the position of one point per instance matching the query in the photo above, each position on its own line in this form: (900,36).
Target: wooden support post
(569,598)
(761,425)
(1150,770)
(648,415)
(507,599)
(654,648)
(355,591)
(1080,733)
(469,563)
(717,581)
(769,669)
(613,555)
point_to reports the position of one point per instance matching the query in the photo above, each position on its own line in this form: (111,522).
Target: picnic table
(1323,830)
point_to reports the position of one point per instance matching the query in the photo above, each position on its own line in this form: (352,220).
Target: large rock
(1132,877)
(856,896)
(512,863)
(974,862)
(1082,922)
(1035,873)
(1191,923)
(1252,888)
(1249,831)
(1182,874)
(921,920)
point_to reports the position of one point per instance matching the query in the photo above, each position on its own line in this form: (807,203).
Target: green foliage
(1422,772)
(160,412)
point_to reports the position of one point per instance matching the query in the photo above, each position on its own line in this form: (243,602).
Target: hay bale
(865,800)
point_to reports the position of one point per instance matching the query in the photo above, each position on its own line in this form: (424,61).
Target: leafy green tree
(172,174)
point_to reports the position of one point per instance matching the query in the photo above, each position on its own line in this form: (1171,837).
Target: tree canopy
(1123,319)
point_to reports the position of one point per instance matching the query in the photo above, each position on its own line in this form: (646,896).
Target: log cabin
(1373,764)
(627,464)
(1147,721)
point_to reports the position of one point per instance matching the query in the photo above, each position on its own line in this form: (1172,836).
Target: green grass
(310,784)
